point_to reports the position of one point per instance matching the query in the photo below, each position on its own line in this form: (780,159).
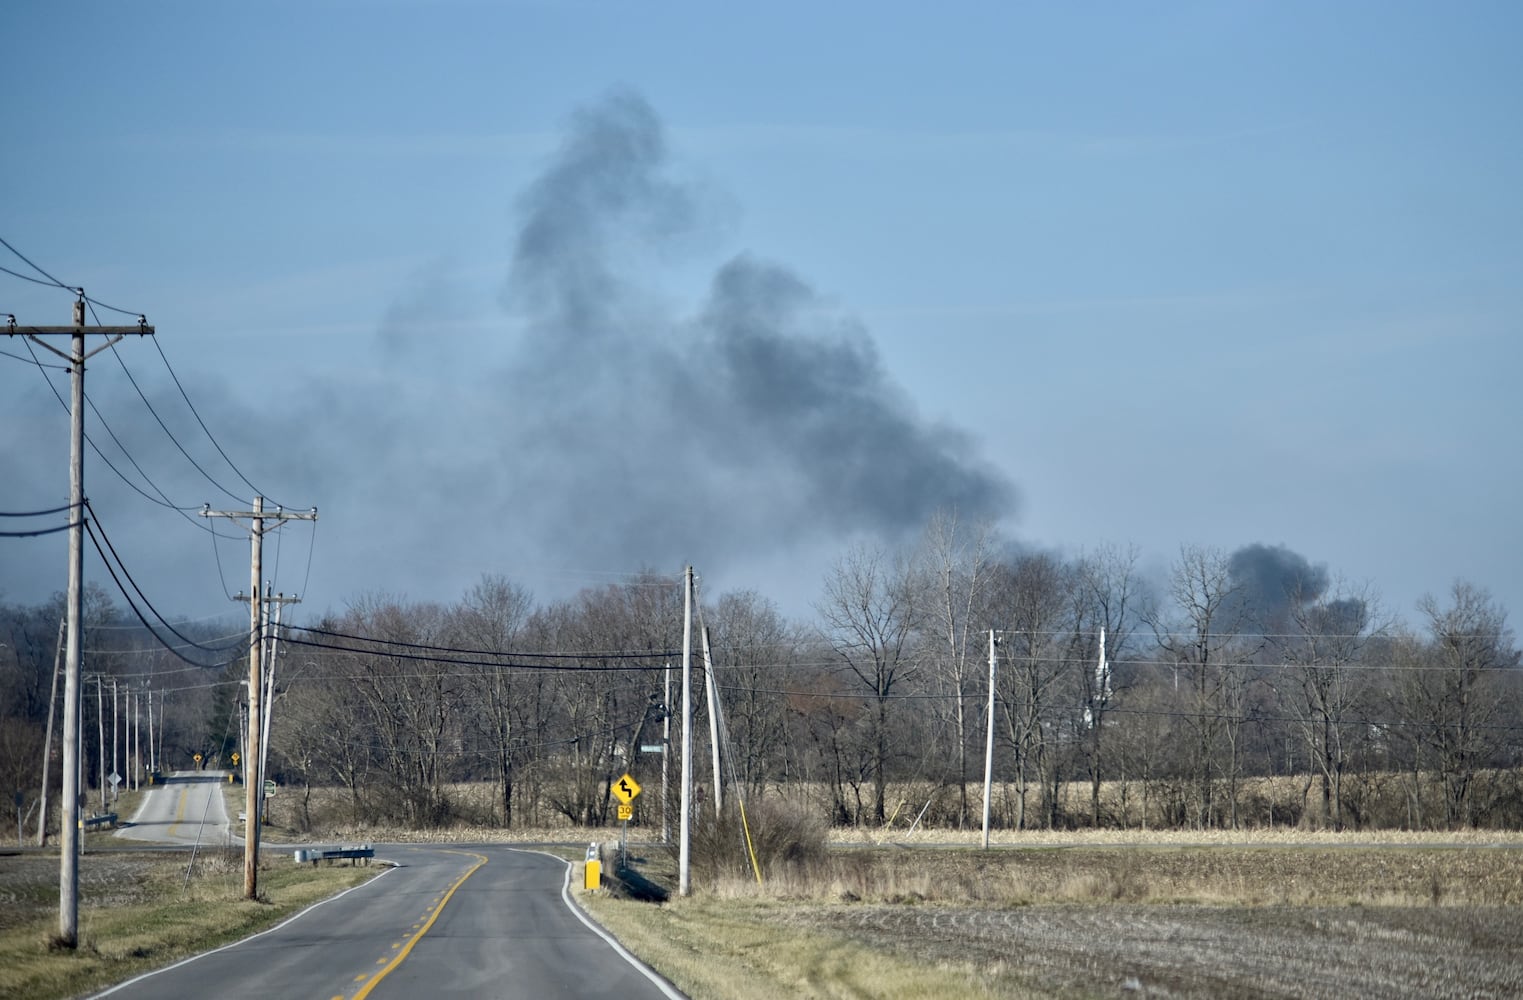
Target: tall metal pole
(100,725)
(280,601)
(708,685)
(113,741)
(685,809)
(153,760)
(989,743)
(666,757)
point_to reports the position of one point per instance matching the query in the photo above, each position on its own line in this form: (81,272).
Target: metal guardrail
(104,819)
(348,852)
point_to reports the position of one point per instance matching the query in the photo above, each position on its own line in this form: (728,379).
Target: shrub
(783,838)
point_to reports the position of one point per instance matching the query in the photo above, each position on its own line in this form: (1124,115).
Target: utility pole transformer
(69,837)
(252,789)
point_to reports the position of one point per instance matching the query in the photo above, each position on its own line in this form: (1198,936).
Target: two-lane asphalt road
(186,809)
(480,922)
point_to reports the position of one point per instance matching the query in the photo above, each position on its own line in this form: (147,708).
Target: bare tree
(1449,692)
(1109,590)
(957,569)
(1032,596)
(755,654)
(1325,647)
(871,614)
(1202,634)
(490,620)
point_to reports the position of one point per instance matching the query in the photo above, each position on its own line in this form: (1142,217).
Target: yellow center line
(179,813)
(364,991)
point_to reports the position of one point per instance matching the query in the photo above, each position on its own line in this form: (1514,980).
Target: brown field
(1262,921)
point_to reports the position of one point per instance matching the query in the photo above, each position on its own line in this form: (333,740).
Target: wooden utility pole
(68,865)
(253,790)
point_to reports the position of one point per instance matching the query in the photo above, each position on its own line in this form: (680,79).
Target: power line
(165,427)
(39,270)
(492,664)
(174,631)
(593,655)
(38,513)
(41,531)
(194,412)
(28,277)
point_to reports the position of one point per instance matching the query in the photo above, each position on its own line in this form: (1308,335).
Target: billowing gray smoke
(764,421)
(602,428)
(1272,579)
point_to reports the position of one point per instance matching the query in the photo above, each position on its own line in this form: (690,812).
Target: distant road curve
(187,808)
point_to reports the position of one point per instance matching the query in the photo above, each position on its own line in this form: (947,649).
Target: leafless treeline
(1209,680)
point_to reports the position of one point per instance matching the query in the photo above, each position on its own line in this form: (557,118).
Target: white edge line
(268,930)
(655,977)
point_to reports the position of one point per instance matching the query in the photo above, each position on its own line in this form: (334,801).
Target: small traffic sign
(114,778)
(625,789)
(626,811)
(269,788)
(235,758)
(197,758)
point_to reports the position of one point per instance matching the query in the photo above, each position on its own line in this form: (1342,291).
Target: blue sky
(1217,273)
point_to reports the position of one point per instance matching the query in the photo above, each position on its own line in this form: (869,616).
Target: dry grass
(136,913)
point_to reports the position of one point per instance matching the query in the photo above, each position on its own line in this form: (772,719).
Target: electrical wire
(112,571)
(163,499)
(593,655)
(210,437)
(492,664)
(41,531)
(162,425)
(35,361)
(34,267)
(491,751)
(35,281)
(109,308)
(173,631)
(38,513)
(311,547)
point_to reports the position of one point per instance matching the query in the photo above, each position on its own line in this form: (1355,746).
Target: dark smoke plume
(1272,579)
(765,421)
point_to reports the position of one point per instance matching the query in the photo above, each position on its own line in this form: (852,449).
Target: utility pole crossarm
(268,515)
(138,329)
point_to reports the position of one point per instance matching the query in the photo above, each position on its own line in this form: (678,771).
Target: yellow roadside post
(593,879)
